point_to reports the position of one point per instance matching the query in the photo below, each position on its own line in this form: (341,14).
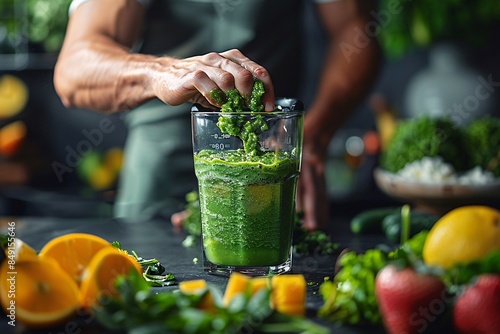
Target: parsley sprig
(153,271)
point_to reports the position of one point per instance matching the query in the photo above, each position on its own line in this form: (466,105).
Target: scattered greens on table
(153,271)
(139,309)
(305,242)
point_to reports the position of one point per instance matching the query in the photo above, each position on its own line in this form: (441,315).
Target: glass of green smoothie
(247,185)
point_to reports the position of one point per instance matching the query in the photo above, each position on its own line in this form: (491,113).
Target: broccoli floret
(422,137)
(484,143)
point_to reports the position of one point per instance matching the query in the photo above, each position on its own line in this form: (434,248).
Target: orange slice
(74,251)
(19,251)
(98,280)
(38,293)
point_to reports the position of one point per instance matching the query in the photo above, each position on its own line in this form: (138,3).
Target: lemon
(13,96)
(464,234)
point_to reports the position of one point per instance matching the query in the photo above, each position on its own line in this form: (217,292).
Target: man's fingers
(256,71)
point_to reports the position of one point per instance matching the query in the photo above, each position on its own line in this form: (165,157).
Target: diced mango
(196,287)
(289,294)
(237,283)
(259,283)
(193,286)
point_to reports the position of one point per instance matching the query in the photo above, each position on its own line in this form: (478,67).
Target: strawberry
(409,302)
(477,309)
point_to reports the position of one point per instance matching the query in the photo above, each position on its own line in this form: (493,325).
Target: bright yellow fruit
(289,294)
(196,287)
(74,251)
(464,234)
(38,293)
(98,280)
(19,251)
(13,96)
(11,138)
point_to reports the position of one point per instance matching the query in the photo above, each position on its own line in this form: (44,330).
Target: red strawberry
(477,309)
(409,302)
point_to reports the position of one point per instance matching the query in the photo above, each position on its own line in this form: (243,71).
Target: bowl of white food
(433,185)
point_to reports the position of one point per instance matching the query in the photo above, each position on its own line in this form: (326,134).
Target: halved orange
(19,251)
(38,293)
(98,280)
(74,251)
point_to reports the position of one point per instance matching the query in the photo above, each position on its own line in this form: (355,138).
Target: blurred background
(60,162)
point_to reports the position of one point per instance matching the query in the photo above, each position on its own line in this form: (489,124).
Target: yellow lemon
(464,234)
(13,96)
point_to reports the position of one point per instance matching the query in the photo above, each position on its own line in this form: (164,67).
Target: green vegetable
(464,273)
(483,138)
(422,137)
(349,298)
(139,309)
(153,271)
(419,221)
(370,221)
(306,242)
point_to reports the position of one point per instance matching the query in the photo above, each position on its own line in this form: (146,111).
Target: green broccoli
(422,137)
(483,141)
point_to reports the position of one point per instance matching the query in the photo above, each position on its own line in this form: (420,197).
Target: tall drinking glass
(247,197)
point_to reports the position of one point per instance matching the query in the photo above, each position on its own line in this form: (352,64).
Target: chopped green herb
(247,129)
(153,271)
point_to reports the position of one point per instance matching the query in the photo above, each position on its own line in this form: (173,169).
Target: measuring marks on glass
(220,146)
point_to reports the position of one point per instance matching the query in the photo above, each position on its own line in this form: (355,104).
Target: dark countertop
(160,240)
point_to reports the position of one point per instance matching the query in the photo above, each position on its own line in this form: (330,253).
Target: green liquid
(247,205)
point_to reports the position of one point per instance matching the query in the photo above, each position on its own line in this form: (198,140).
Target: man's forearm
(101,75)
(349,73)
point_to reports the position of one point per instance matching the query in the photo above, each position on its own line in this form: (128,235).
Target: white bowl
(438,198)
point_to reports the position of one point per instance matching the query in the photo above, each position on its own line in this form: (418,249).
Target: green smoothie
(247,204)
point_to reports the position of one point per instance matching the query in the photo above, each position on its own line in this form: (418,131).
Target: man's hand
(193,79)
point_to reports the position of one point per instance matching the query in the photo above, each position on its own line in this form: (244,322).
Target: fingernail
(269,106)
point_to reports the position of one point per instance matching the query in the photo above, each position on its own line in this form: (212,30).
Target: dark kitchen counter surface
(160,240)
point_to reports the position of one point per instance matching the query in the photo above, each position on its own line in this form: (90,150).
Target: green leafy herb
(464,273)
(153,271)
(349,298)
(306,242)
